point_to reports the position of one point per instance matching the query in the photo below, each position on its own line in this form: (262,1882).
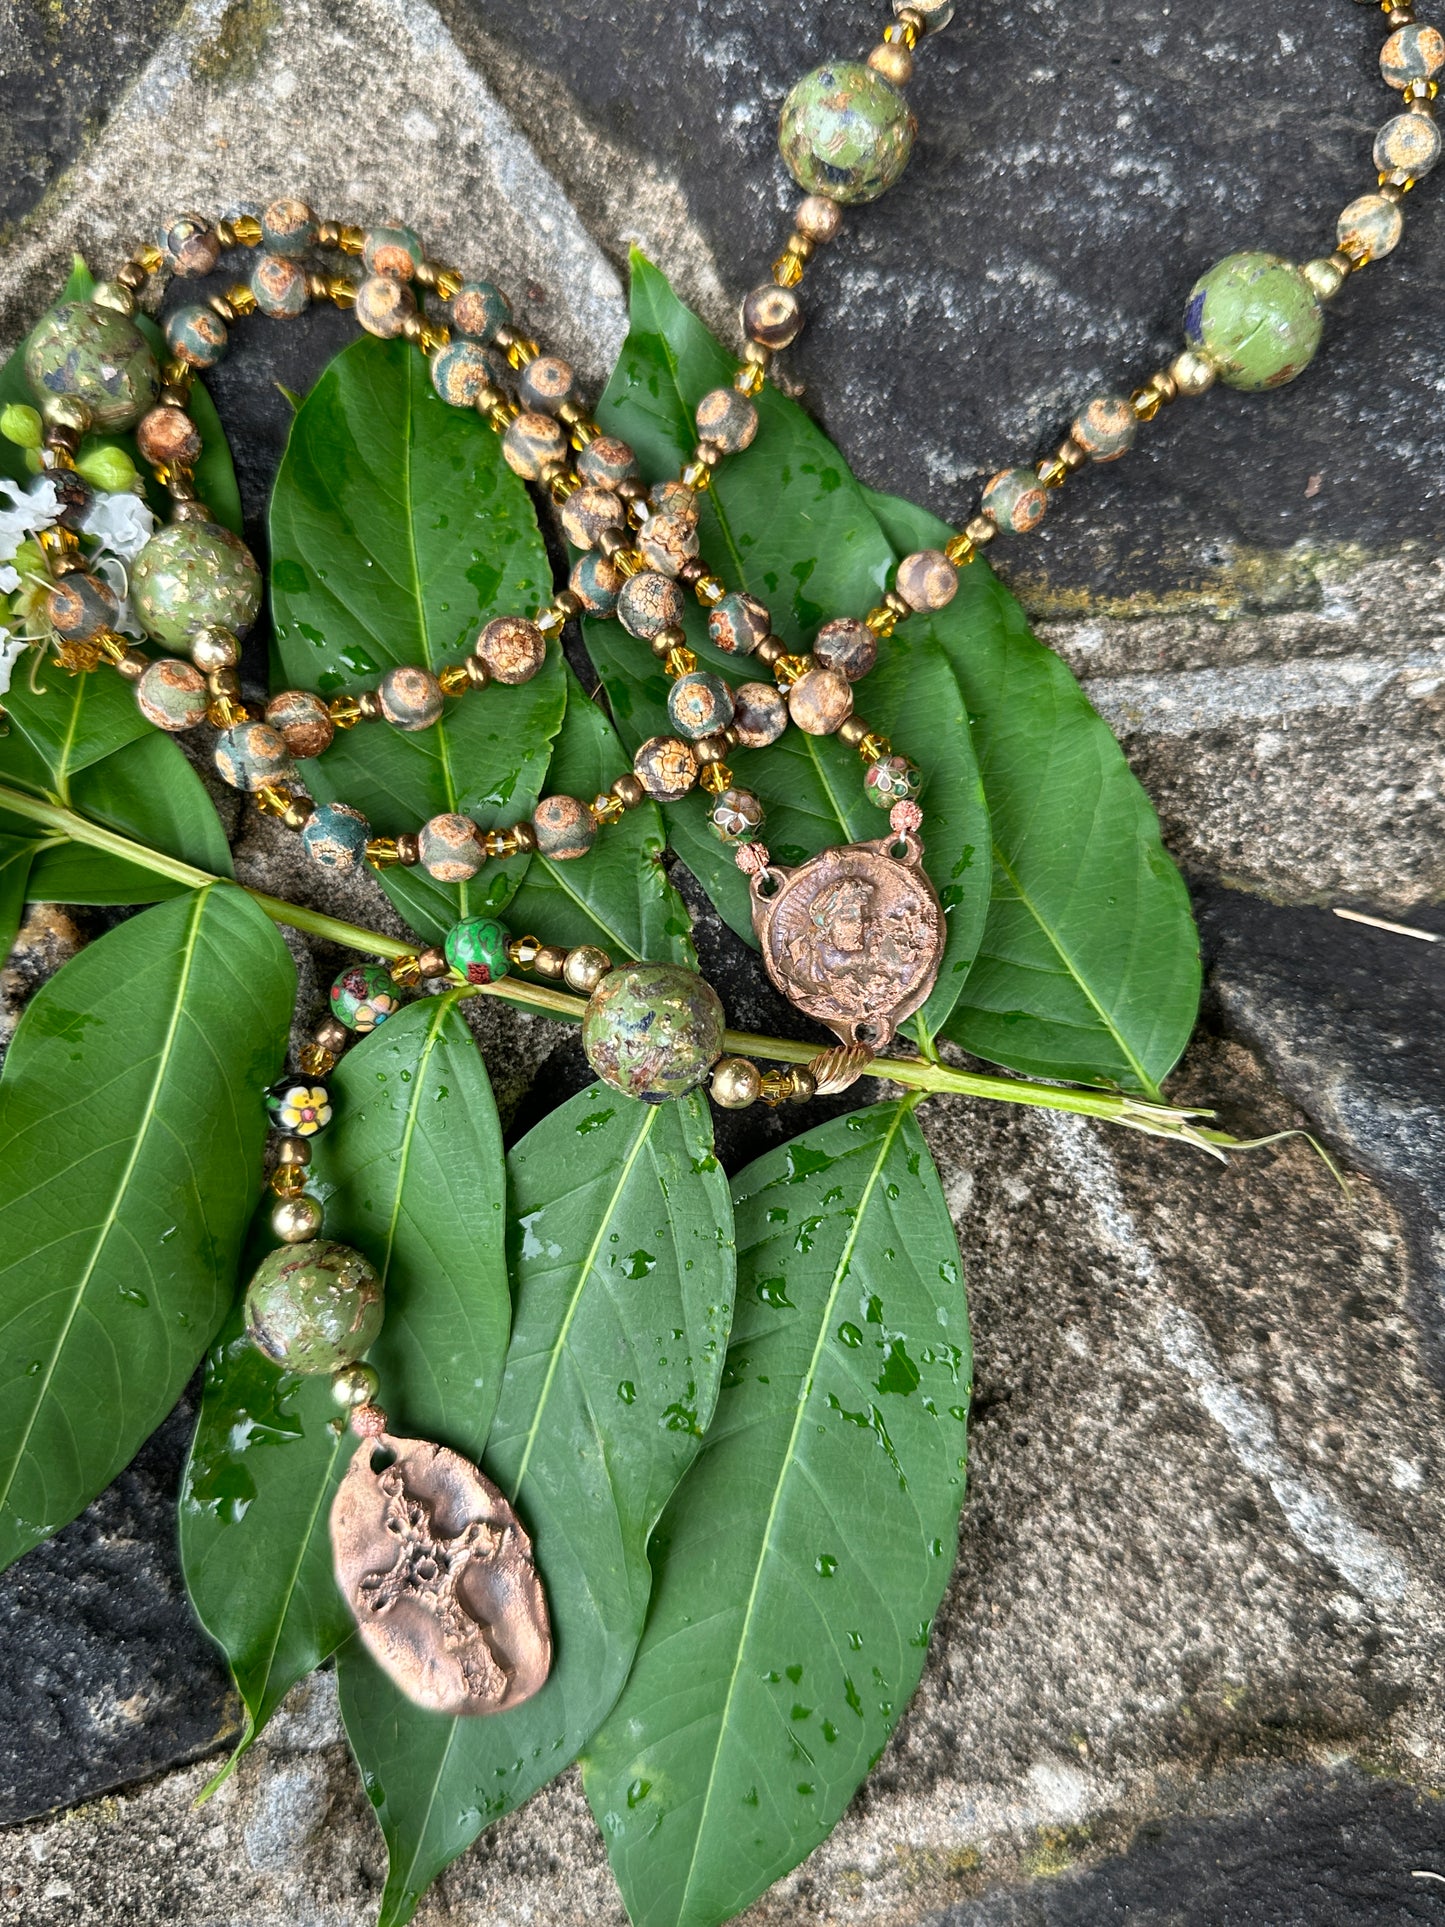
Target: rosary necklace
(431,1558)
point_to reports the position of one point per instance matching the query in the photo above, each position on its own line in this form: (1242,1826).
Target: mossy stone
(194,575)
(1257,319)
(653,1030)
(314,1307)
(95,355)
(846,132)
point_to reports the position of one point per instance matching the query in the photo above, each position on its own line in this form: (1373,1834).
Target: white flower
(12,648)
(119,524)
(31,511)
(113,572)
(9,580)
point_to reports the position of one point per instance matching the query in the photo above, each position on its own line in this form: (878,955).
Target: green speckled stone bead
(288,227)
(81,606)
(411,698)
(736,816)
(667,541)
(1105,427)
(588,513)
(447,847)
(564,827)
(1408,144)
(759,715)
(279,285)
(303,721)
(479,309)
(335,836)
(607,462)
(1412,53)
(196,336)
(172,694)
(596,583)
(847,645)
(476,948)
(531,442)
(738,623)
(650,603)
(726,419)
(892,779)
(189,243)
(699,704)
(546,384)
(194,575)
(250,755)
(666,767)
(384,305)
(1015,500)
(1370,226)
(846,132)
(653,1030)
(462,370)
(314,1307)
(96,356)
(392,250)
(364,996)
(1256,318)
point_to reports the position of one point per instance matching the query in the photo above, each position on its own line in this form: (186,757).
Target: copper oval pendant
(439,1575)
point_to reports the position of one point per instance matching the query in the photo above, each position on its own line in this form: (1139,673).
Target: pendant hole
(901,850)
(865,1034)
(382,1459)
(768,885)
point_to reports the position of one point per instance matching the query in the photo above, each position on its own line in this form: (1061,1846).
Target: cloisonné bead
(393,251)
(772,315)
(194,575)
(649,603)
(596,583)
(607,462)
(1256,317)
(546,384)
(726,419)
(1412,53)
(279,286)
(411,698)
(96,356)
(667,541)
(479,309)
(288,227)
(300,1109)
(364,996)
(892,779)
(1408,144)
(168,435)
(845,132)
(251,755)
(759,715)
(1014,500)
(335,836)
(189,243)
(81,606)
(737,624)
(447,847)
(926,580)
(588,513)
(564,826)
(653,1030)
(847,645)
(314,1307)
(172,694)
(384,305)
(820,701)
(673,498)
(1105,427)
(531,442)
(462,370)
(666,768)
(1370,226)
(196,335)
(513,648)
(476,948)
(736,816)
(699,704)
(302,720)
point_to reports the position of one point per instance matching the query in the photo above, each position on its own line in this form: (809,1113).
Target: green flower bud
(21,424)
(33,461)
(108,468)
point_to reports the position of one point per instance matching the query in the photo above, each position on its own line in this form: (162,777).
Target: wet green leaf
(17,858)
(800,1562)
(622,1268)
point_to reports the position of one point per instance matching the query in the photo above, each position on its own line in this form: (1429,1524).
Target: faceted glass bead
(1256,317)
(314,1307)
(94,355)
(299,1107)
(846,132)
(476,948)
(364,996)
(653,1030)
(892,779)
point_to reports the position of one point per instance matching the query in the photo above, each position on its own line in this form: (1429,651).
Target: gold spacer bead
(980,531)
(522,952)
(893,60)
(851,731)
(382,852)
(242,298)
(679,660)
(551,960)
(246,230)
(352,240)
(881,621)
(274,799)
(299,814)
(455,679)
(433,962)
(132,276)
(960,550)
(225,234)
(225,714)
(716,778)
(149,259)
(1052,472)
(708,590)
(750,378)
(628,790)
(874,748)
(316,1060)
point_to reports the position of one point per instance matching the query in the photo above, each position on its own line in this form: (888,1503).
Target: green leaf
(411,1173)
(130,1151)
(800,1562)
(68,722)
(17,858)
(74,873)
(622,1267)
(396,530)
(1089,966)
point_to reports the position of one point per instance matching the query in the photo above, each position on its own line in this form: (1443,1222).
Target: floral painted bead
(463,370)
(302,720)
(394,251)
(596,583)
(927,580)
(531,442)
(847,645)
(411,698)
(384,305)
(364,996)
(564,826)
(1370,227)
(1408,144)
(653,1030)
(546,383)
(1105,427)
(737,624)
(726,419)
(588,513)
(736,816)
(666,768)
(279,285)
(649,603)
(447,848)
(300,1110)
(478,310)
(196,335)
(667,541)
(892,779)
(81,606)
(673,498)
(476,948)
(194,575)
(288,227)
(1412,53)
(759,715)
(772,315)
(1015,500)
(97,356)
(820,701)
(846,132)
(1256,317)
(172,694)
(699,704)
(336,836)
(189,243)
(251,755)
(314,1307)
(168,435)
(513,649)
(607,462)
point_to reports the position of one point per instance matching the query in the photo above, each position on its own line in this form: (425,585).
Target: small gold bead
(736,1082)
(980,531)
(851,731)
(246,230)
(894,61)
(242,298)
(131,276)
(770,650)
(433,962)
(316,1060)
(382,852)
(585,967)
(628,790)
(352,240)
(716,778)
(331,1034)
(455,679)
(524,838)
(369,703)
(354,1386)
(503,415)
(551,960)
(522,952)
(300,813)
(133,664)
(114,294)
(1418,94)
(711,749)
(292,1150)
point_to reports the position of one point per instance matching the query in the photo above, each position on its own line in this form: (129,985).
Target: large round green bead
(98,356)
(846,132)
(194,575)
(1256,318)
(314,1307)
(477,949)
(653,1030)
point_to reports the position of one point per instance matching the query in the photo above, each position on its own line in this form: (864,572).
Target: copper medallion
(438,1572)
(852,937)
